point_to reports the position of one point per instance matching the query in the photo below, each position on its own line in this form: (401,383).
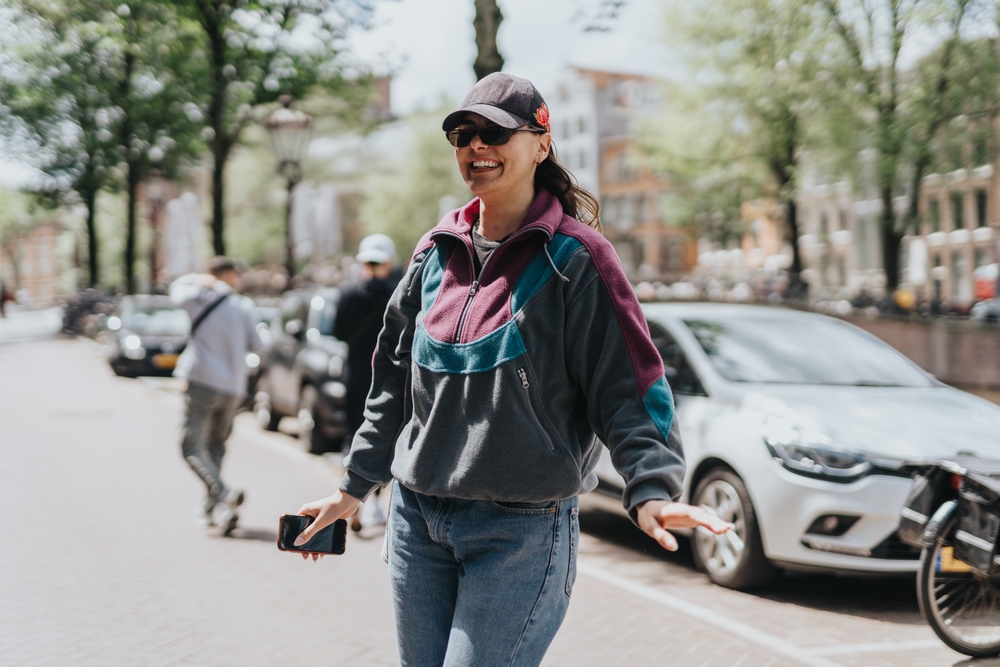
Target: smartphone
(330,540)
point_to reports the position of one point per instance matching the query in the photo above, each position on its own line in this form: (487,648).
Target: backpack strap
(205,313)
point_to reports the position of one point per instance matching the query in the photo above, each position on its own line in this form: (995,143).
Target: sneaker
(233,497)
(225,518)
(203,513)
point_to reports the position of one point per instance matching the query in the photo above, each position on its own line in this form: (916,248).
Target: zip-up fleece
(494,389)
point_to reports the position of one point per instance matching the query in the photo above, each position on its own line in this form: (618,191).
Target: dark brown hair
(576,202)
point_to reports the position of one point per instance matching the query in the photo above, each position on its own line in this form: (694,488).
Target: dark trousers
(208,421)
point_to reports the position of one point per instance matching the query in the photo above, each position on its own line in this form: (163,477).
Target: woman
(512,341)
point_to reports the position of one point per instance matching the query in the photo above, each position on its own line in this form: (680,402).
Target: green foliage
(253,51)
(403,199)
(736,128)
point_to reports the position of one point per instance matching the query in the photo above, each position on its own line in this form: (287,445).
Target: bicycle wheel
(961,606)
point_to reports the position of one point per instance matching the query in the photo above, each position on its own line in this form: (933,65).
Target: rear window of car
(801,350)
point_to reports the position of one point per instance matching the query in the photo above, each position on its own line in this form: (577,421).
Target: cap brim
(376,256)
(502,118)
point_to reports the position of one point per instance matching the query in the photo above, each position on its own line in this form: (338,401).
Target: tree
(55,104)
(487,24)
(152,84)
(738,128)
(903,106)
(255,51)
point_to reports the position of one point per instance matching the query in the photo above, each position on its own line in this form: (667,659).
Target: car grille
(893,548)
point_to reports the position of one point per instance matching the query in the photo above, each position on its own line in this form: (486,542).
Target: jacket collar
(545,214)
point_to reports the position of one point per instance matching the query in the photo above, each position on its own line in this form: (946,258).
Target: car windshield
(149,320)
(801,350)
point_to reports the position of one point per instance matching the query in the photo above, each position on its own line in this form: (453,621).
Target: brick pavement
(101,563)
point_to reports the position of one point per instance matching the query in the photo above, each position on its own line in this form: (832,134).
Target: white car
(796,427)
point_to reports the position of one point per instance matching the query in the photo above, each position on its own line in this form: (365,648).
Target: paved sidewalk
(102,565)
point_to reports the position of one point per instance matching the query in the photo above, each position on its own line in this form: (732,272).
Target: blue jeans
(477,583)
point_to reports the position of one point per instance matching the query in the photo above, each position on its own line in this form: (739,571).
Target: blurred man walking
(223,332)
(359,321)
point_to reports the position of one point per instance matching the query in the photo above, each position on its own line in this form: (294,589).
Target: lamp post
(289,131)
(156,193)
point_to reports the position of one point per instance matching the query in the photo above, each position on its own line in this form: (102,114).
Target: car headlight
(335,367)
(253,360)
(813,454)
(133,342)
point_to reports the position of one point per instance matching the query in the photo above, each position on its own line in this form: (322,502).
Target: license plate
(948,562)
(165,360)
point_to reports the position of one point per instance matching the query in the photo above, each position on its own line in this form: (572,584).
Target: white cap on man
(376,249)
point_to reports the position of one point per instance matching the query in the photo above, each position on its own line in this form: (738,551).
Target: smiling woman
(512,344)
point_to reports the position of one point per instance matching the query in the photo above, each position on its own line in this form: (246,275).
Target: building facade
(594,116)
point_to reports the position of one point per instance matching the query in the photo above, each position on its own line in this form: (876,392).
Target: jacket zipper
(523,375)
(482,272)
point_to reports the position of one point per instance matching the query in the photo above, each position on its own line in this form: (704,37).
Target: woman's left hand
(656,516)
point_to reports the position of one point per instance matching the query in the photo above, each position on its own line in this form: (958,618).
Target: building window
(609,210)
(841,219)
(934,215)
(824,227)
(980,208)
(982,257)
(957,206)
(960,285)
(583,159)
(565,129)
(841,271)
(640,208)
(583,125)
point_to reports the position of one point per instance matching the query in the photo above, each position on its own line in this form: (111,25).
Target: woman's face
(492,171)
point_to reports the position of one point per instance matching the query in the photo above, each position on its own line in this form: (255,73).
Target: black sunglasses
(494,135)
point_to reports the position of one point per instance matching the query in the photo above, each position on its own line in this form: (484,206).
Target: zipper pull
(475,287)
(523,376)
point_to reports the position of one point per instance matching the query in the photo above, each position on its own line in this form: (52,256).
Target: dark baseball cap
(509,101)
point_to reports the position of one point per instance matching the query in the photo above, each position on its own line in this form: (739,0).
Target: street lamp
(289,131)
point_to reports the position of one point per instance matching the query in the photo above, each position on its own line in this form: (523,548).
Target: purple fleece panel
(441,321)
(491,308)
(646,360)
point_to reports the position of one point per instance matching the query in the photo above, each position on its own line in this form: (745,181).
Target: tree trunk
(487,23)
(219,155)
(90,200)
(890,241)
(133,187)
(792,222)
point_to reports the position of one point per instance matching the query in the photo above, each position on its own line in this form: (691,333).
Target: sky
(429,47)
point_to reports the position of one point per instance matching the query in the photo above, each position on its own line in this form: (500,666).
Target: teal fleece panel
(538,272)
(478,356)
(433,275)
(659,402)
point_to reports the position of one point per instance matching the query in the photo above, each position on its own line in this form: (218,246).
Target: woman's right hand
(338,506)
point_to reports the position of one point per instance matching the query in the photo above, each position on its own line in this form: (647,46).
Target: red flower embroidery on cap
(542,116)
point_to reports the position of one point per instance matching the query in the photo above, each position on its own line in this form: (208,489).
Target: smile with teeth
(484,164)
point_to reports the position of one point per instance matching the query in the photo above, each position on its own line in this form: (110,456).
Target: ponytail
(577,203)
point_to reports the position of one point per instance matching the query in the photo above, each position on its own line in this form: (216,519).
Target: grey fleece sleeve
(599,359)
(388,406)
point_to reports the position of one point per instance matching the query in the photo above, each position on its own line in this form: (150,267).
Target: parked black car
(306,374)
(146,334)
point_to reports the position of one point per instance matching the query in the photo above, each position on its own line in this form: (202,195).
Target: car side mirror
(295,328)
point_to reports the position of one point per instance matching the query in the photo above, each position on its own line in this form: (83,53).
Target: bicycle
(953,515)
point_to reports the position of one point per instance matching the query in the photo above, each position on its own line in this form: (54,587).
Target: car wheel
(736,559)
(310,433)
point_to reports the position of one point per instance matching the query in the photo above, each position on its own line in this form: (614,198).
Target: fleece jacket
(500,388)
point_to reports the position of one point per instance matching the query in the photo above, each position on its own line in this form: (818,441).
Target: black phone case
(338,528)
